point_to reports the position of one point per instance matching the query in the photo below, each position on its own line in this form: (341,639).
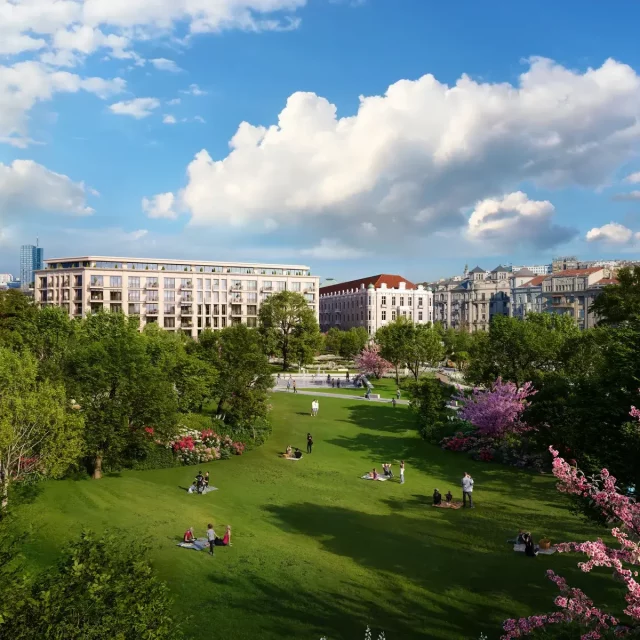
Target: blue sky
(116,120)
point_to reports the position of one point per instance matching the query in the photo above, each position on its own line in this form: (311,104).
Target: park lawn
(386,387)
(318,551)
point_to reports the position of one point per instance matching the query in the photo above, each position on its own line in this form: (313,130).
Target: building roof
(477,270)
(500,269)
(535,282)
(605,281)
(392,282)
(575,272)
(524,272)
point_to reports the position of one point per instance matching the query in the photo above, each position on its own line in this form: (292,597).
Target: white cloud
(160,206)
(634,178)
(24,84)
(194,90)
(630,196)
(163,64)
(333,249)
(26,186)
(169,119)
(174,102)
(199,119)
(368,227)
(514,219)
(137,108)
(423,153)
(612,233)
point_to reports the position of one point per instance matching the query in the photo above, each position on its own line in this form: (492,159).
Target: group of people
(200,483)
(437,498)
(525,538)
(212,540)
(315,407)
(386,472)
(291,452)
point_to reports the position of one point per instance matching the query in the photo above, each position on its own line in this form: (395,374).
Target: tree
(423,347)
(17,315)
(370,362)
(496,411)
(40,434)
(101,588)
(575,607)
(393,339)
(428,402)
(286,316)
(333,340)
(353,342)
(244,375)
(620,302)
(119,389)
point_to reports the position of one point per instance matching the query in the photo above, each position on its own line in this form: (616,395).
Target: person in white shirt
(467,490)
(211,538)
(401,471)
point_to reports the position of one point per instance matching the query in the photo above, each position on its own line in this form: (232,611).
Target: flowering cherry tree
(496,411)
(574,605)
(370,362)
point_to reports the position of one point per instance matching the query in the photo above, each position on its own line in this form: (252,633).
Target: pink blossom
(370,362)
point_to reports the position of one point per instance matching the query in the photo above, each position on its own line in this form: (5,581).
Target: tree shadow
(25,493)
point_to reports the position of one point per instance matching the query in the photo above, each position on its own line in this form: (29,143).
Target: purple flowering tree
(370,362)
(495,412)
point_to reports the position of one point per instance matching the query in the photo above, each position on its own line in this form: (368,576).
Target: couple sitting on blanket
(200,483)
(218,542)
(437,498)
(290,453)
(373,474)
(530,548)
(386,469)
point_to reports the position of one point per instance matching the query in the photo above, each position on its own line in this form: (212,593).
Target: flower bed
(194,447)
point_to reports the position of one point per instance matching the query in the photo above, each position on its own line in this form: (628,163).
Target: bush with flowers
(194,447)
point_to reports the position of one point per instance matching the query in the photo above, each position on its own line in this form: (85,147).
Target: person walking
(401,471)
(309,443)
(467,490)
(288,385)
(295,388)
(398,393)
(394,402)
(211,538)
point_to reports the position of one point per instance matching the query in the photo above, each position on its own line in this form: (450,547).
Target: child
(211,538)
(437,498)
(206,479)
(193,488)
(188,535)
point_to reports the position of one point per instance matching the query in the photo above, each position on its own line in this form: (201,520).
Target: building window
(134,282)
(152,296)
(152,283)
(419,316)
(295,286)
(419,302)
(393,301)
(115,295)
(169,323)
(402,301)
(96,281)
(393,314)
(252,322)
(116,308)
(134,296)
(115,281)
(369,314)
(169,283)
(384,314)
(77,281)
(252,310)
(169,296)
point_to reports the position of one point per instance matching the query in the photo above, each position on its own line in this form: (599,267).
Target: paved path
(338,395)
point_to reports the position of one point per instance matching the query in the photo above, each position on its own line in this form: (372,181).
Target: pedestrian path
(324,394)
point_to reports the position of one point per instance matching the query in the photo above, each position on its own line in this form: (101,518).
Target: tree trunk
(397,376)
(97,467)
(4,492)
(285,359)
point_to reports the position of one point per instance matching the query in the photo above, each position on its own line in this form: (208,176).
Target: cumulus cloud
(194,90)
(163,64)
(26,186)
(174,102)
(169,119)
(333,249)
(612,233)
(630,196)
(137,108)
(423,153)
(24,84)
(160,206)
(514,219)
(634,178)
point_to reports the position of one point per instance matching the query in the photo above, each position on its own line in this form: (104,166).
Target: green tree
(101,588)
(119,389)
(244,375)
(284,317)
(423,347)
(620,302)
(353,342)
(17,317)
(393,339)
(428,400)
(333,340)
(40,434)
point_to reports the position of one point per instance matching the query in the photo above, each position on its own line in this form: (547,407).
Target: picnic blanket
(448,505)
(366,476)
(294,459)
(542,552)
(209,489)
(196,545)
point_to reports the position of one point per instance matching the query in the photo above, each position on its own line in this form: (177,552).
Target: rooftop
(477,270)
(524,272)
(535,282)
(500,269)
(570,273)
(392,282)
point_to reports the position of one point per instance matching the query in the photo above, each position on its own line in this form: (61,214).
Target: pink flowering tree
(495,412)
(370,362)
(574,606)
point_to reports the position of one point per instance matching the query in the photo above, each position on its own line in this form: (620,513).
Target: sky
(353,136)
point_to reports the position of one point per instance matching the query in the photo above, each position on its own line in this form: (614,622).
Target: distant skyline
(354,136)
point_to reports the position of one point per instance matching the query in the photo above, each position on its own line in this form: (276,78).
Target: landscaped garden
(318,551)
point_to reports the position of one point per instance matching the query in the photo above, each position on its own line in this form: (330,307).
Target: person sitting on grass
(521,538)
(298,453)
(530,548)
(437,498)
(200,481)
(188,535)
(449,497)
(193,488)
(374,474)
(226,541)
(288,452)
(386,468)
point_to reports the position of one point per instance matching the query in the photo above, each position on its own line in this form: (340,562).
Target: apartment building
(572,292)
(373,302)
(178,295)
(5,279)
(526,293)
(536,269)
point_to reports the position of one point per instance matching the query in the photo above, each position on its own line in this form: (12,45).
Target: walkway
(324,394)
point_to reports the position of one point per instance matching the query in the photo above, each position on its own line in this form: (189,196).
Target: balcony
(186,311)
(186,324)
(236,299)
(236,287)
(95,284)
(151,312)
(187,285)
(266,289)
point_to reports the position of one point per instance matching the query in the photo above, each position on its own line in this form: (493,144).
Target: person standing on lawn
(309,443)
(467,490)
(211,538)
(401,471)
(295,388)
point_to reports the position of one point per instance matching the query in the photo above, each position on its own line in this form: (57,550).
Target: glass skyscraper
(31,259)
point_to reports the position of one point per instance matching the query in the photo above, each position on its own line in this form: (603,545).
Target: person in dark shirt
(206,479)
(437,498)
(448,497)
(529,547)
(200,481)
(309,443)
(298,453)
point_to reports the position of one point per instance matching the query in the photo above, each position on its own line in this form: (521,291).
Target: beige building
(373,302)
(178,295)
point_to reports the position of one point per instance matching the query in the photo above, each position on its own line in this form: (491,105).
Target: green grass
(386,387)
(316,550)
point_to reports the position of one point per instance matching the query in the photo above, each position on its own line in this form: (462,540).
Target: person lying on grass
(226,541)
(288,452)
(437,498)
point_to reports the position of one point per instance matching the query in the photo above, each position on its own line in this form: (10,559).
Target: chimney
(402,285)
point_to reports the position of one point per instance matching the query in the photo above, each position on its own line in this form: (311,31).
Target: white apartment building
(5,278)
(373,302)
(178,295)
(536,269)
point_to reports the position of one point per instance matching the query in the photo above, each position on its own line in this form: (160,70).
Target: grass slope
(319,551)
